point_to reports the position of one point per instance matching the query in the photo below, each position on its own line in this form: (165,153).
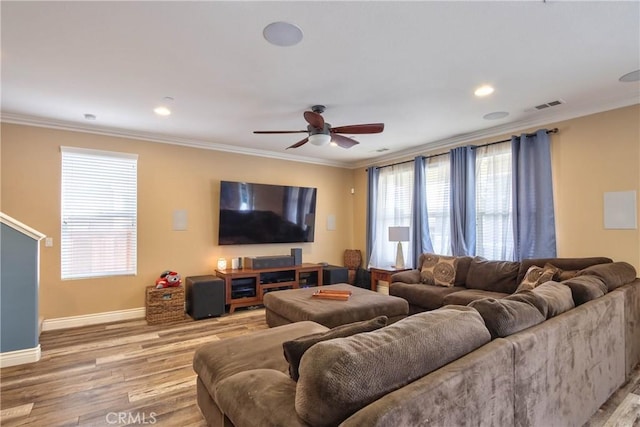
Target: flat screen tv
(263,213)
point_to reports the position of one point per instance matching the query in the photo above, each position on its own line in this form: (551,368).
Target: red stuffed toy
(168,279)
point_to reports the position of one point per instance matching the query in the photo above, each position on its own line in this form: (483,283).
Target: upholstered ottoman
(296,305)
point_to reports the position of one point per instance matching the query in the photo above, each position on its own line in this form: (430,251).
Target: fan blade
(314,119)
(356,129)
(299,143)
(343,141)
(279,131)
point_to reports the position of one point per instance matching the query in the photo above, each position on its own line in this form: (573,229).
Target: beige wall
(169,177)
(591,155)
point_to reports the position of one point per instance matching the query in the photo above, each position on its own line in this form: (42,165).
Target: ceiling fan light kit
(319,139)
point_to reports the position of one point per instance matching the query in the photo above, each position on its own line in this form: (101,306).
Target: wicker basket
(164,305)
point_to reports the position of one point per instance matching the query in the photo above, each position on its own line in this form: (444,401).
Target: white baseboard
(93,319)
(19,357)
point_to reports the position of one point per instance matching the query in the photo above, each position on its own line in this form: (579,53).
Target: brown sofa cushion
(341,376)
(586,288)
(469,295)
(504,317)
(557,295)
(496,276)
(294,349)
(409,276)
(428,297)
(536,276)
(532,299)
(562,263)
(614,274)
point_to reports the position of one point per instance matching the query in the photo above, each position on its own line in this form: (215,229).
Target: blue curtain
(533,214)
(420,220)
(372,192)
(463,201)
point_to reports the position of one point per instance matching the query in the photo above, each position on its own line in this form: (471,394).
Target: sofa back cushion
(496,276)
(341,376)
(561,263)
(613,275)
(586,288)
(504,317)
(558,297)
(295,349)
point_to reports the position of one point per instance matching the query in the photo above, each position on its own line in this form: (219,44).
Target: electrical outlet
(48,242)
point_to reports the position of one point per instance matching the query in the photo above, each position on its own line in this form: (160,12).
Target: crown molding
(544,118)
(538,118)
(20,119)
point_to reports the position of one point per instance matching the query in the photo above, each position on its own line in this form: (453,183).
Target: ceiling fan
(321,132)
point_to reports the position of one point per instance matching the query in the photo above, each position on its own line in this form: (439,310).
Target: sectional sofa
(550,355)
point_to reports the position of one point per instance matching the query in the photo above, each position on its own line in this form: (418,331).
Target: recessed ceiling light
(162,111)
(88,116)
(633,76)
(483,90)
(495,115)
(282,34)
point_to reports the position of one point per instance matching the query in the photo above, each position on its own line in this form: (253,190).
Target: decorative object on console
(296,253)
(399,234)
(262,262)
(222,264)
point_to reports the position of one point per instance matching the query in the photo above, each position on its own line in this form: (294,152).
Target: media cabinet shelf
(247,287)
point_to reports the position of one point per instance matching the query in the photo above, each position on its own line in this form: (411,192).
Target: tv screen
(262,213)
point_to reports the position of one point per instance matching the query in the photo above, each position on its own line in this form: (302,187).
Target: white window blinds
(437,188)
(494,221)
(99,213)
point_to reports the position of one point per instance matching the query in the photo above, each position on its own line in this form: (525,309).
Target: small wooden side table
(383,273)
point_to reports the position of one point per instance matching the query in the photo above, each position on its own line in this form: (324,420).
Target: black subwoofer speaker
(205,296)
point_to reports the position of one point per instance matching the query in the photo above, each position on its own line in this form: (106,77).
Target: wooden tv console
(246,287)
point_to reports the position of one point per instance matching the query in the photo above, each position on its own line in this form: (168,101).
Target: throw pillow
(295,349)
(562,275)
(536,276)
(439,270)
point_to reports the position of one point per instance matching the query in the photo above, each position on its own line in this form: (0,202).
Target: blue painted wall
(18,290)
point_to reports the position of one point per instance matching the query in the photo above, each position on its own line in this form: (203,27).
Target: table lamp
(399,234)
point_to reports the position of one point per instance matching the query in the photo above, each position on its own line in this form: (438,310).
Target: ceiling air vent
(549,104)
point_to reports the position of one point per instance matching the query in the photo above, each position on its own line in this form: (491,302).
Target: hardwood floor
(125,373)
(129,373)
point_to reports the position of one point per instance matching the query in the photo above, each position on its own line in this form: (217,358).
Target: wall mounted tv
(263,213)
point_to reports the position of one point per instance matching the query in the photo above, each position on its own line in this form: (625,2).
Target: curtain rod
(554,130)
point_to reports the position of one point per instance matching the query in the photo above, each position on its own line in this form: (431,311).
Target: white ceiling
(412,65)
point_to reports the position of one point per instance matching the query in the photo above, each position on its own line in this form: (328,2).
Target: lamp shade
(319,139)
(398,234)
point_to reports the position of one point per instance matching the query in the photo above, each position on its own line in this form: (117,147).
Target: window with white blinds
(437,187)
(99,213)
(395,201)
(494,219)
